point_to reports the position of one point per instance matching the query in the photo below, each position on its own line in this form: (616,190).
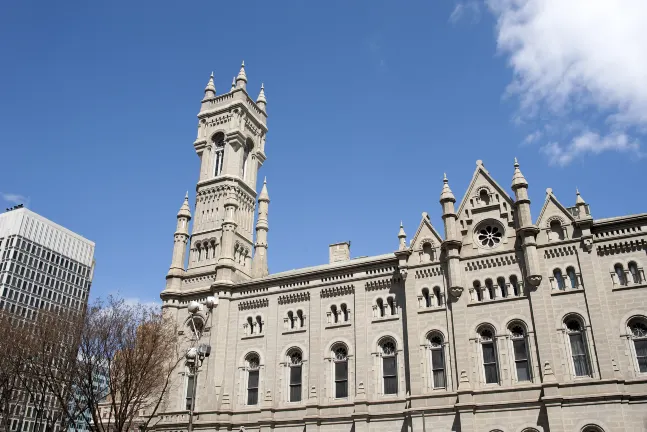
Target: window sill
(292,331)
(254,336)
(498,300)
(632,286)
(567,291)
(431,309)
(386,318)
(336,325)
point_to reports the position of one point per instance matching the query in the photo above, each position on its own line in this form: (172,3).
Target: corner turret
(526,230)
(241,79)
(452,244)
(260,100)
(259,262)
(181,239)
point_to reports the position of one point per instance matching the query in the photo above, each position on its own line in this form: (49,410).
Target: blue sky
(369,103)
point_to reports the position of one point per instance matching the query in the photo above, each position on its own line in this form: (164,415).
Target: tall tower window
(295,362)
(435,341)
(246,149)
(490,364)
(520,350)
(389,367)
(253,371)
(340,366)
(219,153)
(579,352)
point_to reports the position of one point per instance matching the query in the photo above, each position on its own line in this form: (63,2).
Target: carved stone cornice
(498,261)
(380,284)
(253,304)
(559,251)
(336,291)
(294,298)
(621,247)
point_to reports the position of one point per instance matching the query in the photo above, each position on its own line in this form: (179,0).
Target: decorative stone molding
(618,232)
(621,247)
(559,252)
(534,280)
(456,291)
(499,261)
(199,279)
(337,291)
(379,284)
(253,304)
(428,272)
(294,298)
(295,284)
(337,277)
(381,270)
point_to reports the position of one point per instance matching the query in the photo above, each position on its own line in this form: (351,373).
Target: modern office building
(43,267)
(42,264)
(497,321)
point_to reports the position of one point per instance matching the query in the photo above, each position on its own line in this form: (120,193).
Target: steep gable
(425,244)
(552,211)
(485,200)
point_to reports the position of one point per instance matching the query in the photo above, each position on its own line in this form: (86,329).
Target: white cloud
(134,301)
(589,142)
(14,198)
(532,137)
(469,8)
(578,59)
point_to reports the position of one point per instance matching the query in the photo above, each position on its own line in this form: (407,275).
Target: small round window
(489,234)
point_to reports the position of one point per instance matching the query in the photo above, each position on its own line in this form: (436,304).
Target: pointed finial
(518,180)
(579,199)
(210,89)
(241,79)
(264,196)
(260,100)
(446,194)
(402,236)
(233,84)
(185,211)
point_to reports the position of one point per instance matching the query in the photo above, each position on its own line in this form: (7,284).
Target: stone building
(493,320)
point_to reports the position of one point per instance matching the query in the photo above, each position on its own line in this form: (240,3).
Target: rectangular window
(438,368)
(341,379)
(580,361)
(521,360)
(190,383)
(489,364)
(295,383)
(641,354)
(389,371)
(252,387)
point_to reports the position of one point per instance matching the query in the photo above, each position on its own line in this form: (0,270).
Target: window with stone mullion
(578,352)
(390,374)
(490,363)
(438,367)
(521,359)
(341,379)
(252,387)
(295,383)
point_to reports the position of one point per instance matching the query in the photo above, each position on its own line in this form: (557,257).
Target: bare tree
(135,348)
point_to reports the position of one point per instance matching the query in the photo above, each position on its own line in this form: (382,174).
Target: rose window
(489,236)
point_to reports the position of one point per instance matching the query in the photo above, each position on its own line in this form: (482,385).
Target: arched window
(427,252)
(620,273)
(251,325)
(579,352)
(344,312)
(484,197)
(438,295)
(490,288)
(490,361)
(426,297)
(514,283)
(253,371)
(592,428)
(502,286)
(219,155)
(520,350)
(245,160)
(556,230)
(380,307)
(437,360)
(259,324)
(291,319)
(340,364)
(635,273)
(638,328)
(572,277)
(335,314)
(477,290)
(389,367)
(301,318)
(295,361)
(559,279)
(391,302)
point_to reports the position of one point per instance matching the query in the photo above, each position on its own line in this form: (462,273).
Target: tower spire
(259,262)
(260,100)
(233,84)
(181,239)
(210,89)
(402,237)
(526,229)
(241,79)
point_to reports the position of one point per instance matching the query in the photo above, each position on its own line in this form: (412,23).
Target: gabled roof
(426,223)
(480,170)
(550,198)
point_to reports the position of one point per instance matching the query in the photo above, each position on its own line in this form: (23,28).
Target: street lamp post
(196,354)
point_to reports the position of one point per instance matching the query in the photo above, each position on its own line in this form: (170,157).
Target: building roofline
(51,223)
(640,217)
